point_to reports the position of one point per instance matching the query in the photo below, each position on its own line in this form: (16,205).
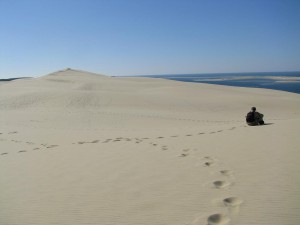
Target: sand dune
(82,148)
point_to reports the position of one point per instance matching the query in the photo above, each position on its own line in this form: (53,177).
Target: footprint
(233,201)
(213,132)
(95,141)
(174,136)
(183,155)
(208,157)
(226,172)
(218,219)
(22,151)
(160,137)
(52,146)
(164,147)
(221,184)
(201,133)
(219,131)
(189,135)
(4,153)
(36,149)
(185,150)
(208,163)
(232,128)
(81,142)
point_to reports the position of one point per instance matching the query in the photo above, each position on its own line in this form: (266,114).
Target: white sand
(78,148)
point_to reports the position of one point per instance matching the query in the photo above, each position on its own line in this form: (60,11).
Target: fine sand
(78,148)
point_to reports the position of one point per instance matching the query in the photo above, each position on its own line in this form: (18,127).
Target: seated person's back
(254,118)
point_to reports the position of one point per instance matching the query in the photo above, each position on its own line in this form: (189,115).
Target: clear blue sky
(130,37)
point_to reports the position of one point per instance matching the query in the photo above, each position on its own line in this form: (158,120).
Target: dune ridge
(82,148)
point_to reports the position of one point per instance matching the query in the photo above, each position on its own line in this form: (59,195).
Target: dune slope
(82,148)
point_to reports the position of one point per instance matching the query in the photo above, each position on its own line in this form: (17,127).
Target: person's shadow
(268,123)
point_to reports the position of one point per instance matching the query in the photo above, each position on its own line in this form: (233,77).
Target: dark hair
(253,108)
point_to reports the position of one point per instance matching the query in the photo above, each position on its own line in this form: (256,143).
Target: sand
(82,148)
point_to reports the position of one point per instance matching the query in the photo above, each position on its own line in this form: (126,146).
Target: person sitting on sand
(254,118)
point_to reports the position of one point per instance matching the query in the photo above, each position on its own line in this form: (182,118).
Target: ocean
(284,81)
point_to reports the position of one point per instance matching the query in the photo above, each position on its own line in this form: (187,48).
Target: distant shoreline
(274,73)
(283,81)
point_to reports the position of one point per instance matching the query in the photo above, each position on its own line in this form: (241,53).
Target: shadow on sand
(268,124)
(257,125)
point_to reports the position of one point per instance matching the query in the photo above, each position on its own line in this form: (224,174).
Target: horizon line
(166,74)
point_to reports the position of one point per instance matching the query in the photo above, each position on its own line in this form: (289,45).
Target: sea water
(284,81)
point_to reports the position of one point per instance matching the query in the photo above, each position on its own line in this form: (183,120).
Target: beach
(82,148)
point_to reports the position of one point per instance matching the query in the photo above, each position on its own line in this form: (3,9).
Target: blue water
(284,81)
